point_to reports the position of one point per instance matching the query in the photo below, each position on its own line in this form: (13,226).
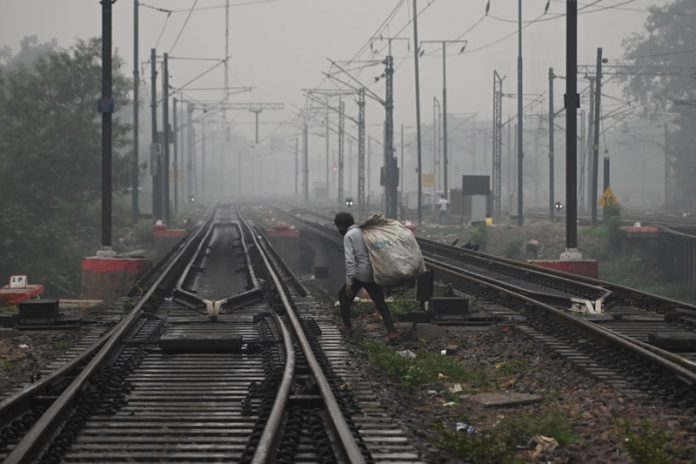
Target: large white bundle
(394,252)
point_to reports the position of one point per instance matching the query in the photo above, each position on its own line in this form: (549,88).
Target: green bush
(513,250)
(425,369)
(500,444)
(480,235)
(645,445)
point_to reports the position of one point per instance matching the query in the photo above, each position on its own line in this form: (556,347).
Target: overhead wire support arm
(256,108)
(360,85)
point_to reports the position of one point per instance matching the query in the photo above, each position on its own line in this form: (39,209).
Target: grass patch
(404,303)
(512,367)
(8,309)
(479,235)
(13,368)
(426,369)
(500,445)
(62,345)
(646,445)
(518,430)
(477,449)
(513,249)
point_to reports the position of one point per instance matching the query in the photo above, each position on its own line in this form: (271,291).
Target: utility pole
(155,155)
(369,166)
(297,162)
(418,125)
(165,128)
(510,186)
(551,146)
(583,155)
(401,183)
(349,159)
(328,147)
(106,108)
(589,160)
(227,50)
(444,120)
(305,163)
(520,118)
(390,166)
(361,150)
(668,169)
(595,144)
(191,139)
(175,167)
(445,153)
(497,143)
(135,181)
(572,100)
(436,142)
(341,137)
(204,190)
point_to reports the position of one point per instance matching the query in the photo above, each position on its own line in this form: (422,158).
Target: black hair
(344,219)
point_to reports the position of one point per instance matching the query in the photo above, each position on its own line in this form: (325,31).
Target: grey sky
(281,46)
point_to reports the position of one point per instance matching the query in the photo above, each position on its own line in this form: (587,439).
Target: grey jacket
(357,260)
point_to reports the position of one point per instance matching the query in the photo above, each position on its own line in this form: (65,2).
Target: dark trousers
(375,291)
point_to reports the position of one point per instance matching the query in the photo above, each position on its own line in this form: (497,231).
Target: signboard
(18,281)
(428,181)
(608,198)
(475,185)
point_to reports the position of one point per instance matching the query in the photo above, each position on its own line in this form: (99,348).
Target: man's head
(343,221)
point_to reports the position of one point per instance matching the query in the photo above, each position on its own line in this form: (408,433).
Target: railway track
(223,358)
(614,344)
(685,225)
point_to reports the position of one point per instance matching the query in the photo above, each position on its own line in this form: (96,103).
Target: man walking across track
(359,275)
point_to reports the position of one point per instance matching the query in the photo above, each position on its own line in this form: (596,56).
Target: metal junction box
(449,308)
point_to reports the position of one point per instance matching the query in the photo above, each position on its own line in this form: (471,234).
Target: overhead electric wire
(183,27)
(232,5)
(650,10)
(201,75)
(164,28)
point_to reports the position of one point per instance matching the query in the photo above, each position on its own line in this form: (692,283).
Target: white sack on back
(394,252)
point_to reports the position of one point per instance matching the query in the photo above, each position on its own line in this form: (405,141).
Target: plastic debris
(443,352)
(455,388)
(543,445)
(24,346)
(449,403)
(464,427)
(406,354)
(442,376)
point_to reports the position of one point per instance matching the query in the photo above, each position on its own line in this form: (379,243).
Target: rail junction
(224,357)
(638,342)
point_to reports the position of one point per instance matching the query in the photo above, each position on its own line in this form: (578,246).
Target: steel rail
(567,300)
(38,437)
(343,432)
(678,366)
(436,249)
(10,406)
(618,291)
(269,435)
(193,301)
(286,269)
